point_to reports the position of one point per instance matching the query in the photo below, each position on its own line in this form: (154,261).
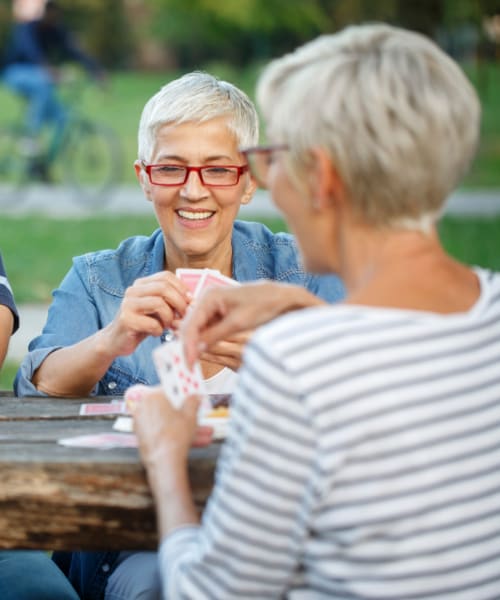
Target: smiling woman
(198,213)
(113,306)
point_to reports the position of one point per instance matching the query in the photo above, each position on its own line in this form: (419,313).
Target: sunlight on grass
(7,374)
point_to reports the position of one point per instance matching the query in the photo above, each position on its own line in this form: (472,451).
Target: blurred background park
(146,43)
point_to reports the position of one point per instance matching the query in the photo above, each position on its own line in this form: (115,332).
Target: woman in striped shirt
(363,459)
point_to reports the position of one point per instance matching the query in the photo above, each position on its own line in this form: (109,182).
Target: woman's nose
(193,187)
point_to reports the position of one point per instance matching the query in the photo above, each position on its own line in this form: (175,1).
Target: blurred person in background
(31,64)
(114,306)
(363,457)
(25,575)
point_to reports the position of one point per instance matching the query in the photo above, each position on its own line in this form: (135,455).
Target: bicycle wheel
(91,160)
(13,167)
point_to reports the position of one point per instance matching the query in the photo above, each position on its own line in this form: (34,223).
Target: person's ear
(142,177)
(325,185)
(250,188)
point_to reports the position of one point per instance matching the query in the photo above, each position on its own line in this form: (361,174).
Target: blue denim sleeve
(327,287)
(72,317)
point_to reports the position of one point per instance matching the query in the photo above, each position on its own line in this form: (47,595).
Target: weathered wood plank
(54,497)
(10,406)
(98,505)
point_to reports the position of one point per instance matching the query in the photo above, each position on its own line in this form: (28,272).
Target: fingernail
(134,393)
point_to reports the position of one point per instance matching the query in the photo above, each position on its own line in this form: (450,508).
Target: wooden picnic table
(64,498)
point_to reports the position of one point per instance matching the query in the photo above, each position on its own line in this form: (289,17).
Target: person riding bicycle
(30,68)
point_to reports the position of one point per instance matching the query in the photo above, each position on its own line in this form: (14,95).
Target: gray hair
(197,97)
(397,116)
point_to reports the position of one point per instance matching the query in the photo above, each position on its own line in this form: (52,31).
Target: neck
(405,269)
(367,252)
(220,259)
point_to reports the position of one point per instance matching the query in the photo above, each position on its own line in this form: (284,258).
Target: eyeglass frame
(264,149)
(240,169)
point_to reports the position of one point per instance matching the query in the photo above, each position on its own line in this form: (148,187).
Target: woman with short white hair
(114,307)
(363,459)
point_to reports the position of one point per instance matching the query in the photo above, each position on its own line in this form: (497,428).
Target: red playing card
(102,408)
(213,278)
(190,277)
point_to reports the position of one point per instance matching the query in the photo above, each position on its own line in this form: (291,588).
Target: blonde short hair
(197,97)
(397,116)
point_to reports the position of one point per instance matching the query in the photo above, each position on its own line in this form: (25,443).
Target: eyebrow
(207,160)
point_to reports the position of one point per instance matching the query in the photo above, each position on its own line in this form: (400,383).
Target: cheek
(162,197)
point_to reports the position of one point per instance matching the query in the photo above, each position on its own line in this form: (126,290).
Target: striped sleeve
(256,521)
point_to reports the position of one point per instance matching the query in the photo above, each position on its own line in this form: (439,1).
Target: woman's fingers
(161,429)
(203,436)
(228,353)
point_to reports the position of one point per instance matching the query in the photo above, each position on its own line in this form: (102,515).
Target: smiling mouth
(195,216)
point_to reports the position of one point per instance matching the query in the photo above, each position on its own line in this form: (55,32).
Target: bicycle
(85,156)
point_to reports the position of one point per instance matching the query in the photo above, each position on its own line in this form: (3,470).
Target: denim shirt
(91,294)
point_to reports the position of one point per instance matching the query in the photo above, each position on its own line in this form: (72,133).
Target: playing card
(125,424)
(102,408)
(190,277)
(177,380)
(104,441)
(213,278)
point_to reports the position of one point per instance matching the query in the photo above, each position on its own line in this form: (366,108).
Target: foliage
(187,34)
(247,30)
(101,28)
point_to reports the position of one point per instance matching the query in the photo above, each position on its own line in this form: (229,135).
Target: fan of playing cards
(177,380)
(198,280)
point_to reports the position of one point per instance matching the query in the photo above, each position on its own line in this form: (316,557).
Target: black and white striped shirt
(363,462)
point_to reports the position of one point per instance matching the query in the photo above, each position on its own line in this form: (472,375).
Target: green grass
(38,251)
(472,241)
(485,171)
(7,374)
(120,106)
(37,264)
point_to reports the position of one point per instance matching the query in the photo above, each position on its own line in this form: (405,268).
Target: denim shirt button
(112,385)
(105,567)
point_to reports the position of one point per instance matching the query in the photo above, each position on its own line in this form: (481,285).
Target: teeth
(194,216)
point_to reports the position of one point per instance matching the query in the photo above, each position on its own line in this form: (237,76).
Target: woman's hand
(149,307)
(155,416)
(227,352)
(163,432)
(165,435)
(221,313)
